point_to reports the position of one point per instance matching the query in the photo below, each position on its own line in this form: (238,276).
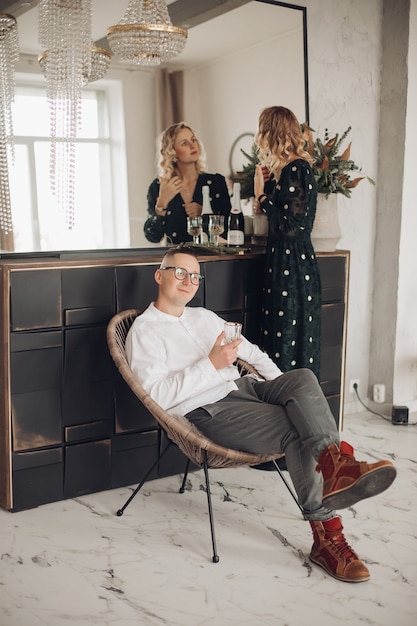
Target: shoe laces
(339,542)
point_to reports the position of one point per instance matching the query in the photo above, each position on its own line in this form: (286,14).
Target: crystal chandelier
(9,53)
(145,35)
(100,62)
(65,33)
(95,68)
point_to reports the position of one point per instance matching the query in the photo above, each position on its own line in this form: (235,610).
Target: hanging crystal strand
(9,53)
(65,32)
(146,12)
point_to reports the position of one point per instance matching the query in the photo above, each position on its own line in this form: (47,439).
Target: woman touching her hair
(177,192)
(286,191)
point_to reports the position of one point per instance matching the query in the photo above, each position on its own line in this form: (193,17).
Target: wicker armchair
(195,446)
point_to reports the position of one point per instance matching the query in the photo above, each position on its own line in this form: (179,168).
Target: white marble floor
(76,562)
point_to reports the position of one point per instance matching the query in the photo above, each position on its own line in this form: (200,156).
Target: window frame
(113,170)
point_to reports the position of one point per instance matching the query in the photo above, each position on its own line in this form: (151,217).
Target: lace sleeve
(290,207)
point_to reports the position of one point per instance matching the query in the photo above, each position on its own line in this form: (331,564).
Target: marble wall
(344,47)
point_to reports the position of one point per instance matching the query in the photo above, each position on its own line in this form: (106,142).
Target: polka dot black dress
(291,309)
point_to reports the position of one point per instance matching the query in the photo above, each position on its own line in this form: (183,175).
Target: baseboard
(385,408)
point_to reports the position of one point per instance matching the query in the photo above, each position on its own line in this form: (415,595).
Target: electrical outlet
(379,393)
(353,381)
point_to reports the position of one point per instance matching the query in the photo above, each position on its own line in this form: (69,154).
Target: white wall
(224,98)
(344,47)
(405,369)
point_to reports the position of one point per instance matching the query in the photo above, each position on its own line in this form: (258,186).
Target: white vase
(326,232)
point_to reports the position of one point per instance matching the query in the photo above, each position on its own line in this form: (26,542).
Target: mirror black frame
(297,7)
(278,3)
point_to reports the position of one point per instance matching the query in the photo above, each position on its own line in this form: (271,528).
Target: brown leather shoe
(332,552)
(346,480)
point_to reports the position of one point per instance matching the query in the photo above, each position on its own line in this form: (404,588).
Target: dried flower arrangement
(333,172)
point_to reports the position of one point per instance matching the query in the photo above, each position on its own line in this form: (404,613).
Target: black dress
(174,223)
(291,308)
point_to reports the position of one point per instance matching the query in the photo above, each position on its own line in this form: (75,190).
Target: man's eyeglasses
(181,274)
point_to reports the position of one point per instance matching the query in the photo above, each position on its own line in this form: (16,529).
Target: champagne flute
(195,228)
(216,228)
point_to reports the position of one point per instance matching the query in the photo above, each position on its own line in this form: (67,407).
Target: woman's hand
(192,209)
(168,189)
(259,180)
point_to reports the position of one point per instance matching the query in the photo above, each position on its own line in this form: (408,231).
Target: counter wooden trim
(80,259)
(5,399)
(113,258)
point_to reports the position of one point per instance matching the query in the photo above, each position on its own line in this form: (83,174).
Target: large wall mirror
(240,57)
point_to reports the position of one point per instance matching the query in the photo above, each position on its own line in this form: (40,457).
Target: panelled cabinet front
(234,291)
(69,425)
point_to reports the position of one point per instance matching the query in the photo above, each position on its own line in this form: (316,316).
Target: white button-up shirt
(169,356)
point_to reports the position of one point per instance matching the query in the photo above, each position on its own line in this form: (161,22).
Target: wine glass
(232,331)
(195,228)
(216,228)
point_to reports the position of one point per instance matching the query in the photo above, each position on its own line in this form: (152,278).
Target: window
(38,221)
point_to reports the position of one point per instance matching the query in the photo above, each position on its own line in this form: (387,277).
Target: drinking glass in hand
(195,228)
(232,331)
(216,228)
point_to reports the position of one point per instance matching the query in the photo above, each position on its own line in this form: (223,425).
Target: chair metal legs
(120,512)
(215,557)
(294,497)
(144,479)
(184,480)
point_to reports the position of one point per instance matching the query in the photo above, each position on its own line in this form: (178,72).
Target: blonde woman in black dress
(285,190)
(178,190)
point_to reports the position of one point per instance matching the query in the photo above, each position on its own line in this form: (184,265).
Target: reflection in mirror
(235,64)
(225,95)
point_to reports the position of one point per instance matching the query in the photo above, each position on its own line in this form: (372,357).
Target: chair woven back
(182,432)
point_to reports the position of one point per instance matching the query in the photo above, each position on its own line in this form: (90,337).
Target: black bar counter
(69,425)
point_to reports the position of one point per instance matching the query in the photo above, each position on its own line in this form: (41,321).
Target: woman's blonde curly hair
(166,151)
(280,139)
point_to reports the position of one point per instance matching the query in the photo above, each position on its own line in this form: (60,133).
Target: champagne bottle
(207,211)
(236,223)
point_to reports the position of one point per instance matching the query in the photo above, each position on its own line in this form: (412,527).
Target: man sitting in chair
(179,355)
